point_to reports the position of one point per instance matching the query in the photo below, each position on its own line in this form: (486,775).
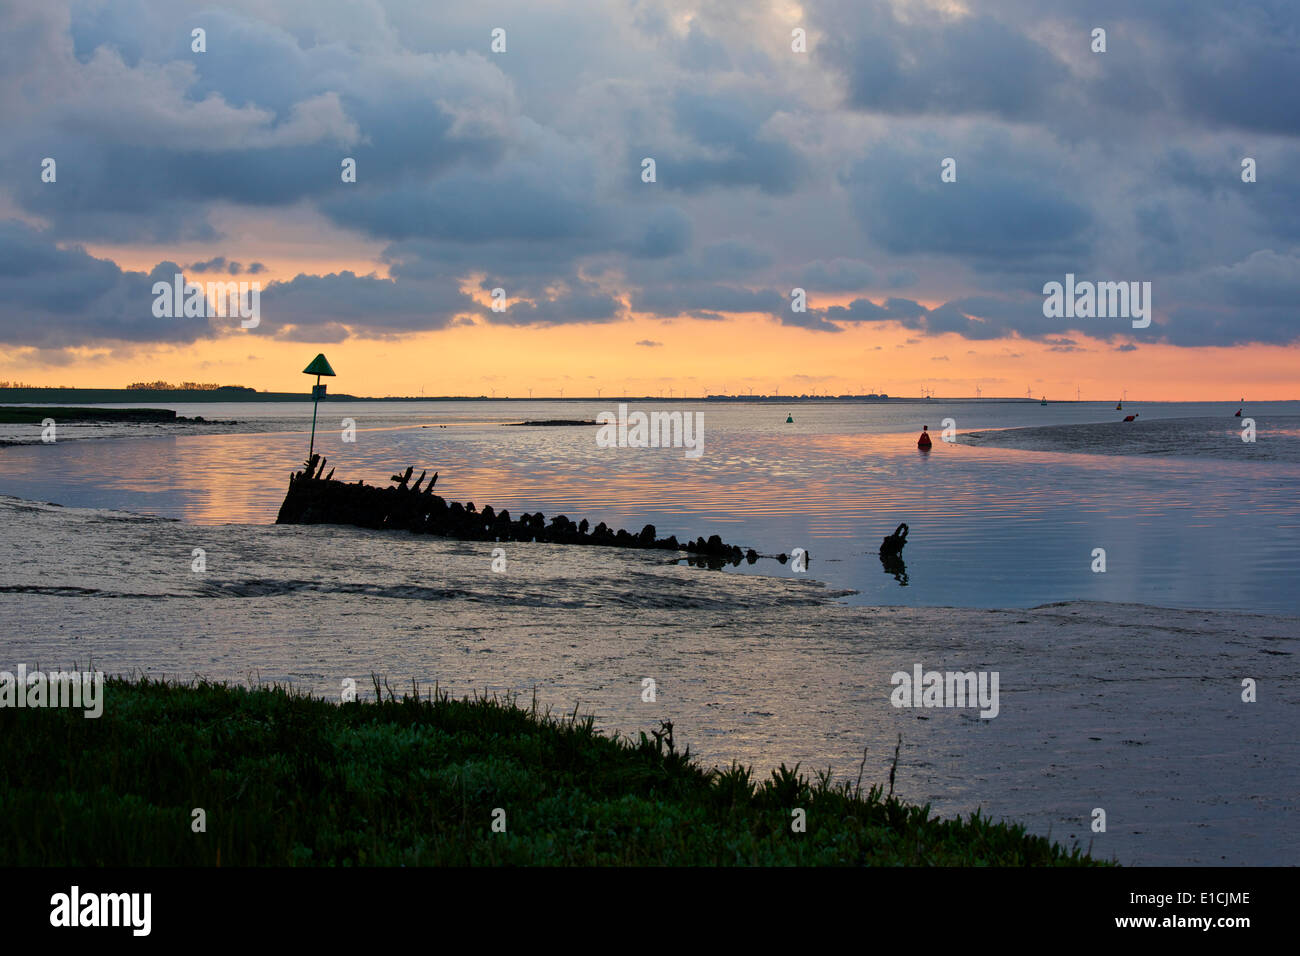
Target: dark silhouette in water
(892,546)
(891,554)
(715,562)
(312,499)
(924,440)
(894,564)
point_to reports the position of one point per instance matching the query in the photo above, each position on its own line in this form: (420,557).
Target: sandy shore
(1132,709)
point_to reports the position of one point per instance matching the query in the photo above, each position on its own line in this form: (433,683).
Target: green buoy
(789,419)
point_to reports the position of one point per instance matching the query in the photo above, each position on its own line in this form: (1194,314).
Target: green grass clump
(290,780)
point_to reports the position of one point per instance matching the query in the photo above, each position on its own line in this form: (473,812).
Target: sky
(795,146)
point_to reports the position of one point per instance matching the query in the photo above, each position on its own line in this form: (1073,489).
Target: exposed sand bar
(26,424)
(1133,709)
(29,414)
(1271,438)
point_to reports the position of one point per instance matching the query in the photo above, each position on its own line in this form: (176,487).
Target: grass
(288,780)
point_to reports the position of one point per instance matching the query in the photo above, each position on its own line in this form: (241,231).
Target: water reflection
(988,526)
(895,565)
(891,553)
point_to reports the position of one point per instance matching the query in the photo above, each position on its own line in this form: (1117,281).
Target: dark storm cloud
(718,261)
(977,64)
(472,208)
(1250,301)
(584,305)
(60,298)
(730,149)
(904,311)
(1000,208)
(668,300)
(524,218)
(838,275)
(366,304)
(1228,65)
(150,134)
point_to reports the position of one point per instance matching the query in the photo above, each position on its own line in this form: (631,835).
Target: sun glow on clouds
(735,356)
(776,169)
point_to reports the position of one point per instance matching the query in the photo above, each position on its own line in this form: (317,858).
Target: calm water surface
(990,527)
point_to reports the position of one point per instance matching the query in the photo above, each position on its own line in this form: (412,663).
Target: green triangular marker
(319,366)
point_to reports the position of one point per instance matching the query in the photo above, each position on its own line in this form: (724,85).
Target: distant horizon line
(213,396)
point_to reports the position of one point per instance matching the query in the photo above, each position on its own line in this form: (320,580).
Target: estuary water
(1186,513)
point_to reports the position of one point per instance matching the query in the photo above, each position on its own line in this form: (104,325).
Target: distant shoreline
(235,395)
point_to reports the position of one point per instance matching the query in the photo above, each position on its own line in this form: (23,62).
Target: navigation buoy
(1129,418)
(924,440)
(1238,415)
(1119,406)
(789,419)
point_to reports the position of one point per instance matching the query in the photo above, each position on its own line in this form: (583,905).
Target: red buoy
(1129,418)
(924,440)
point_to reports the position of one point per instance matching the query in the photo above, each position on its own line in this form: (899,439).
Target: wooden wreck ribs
(312,499)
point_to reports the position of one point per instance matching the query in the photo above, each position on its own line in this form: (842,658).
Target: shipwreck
(318,498)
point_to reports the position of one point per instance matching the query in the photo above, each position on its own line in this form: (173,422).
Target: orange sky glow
(731,356)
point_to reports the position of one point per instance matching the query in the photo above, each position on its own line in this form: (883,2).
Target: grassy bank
(287,779)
